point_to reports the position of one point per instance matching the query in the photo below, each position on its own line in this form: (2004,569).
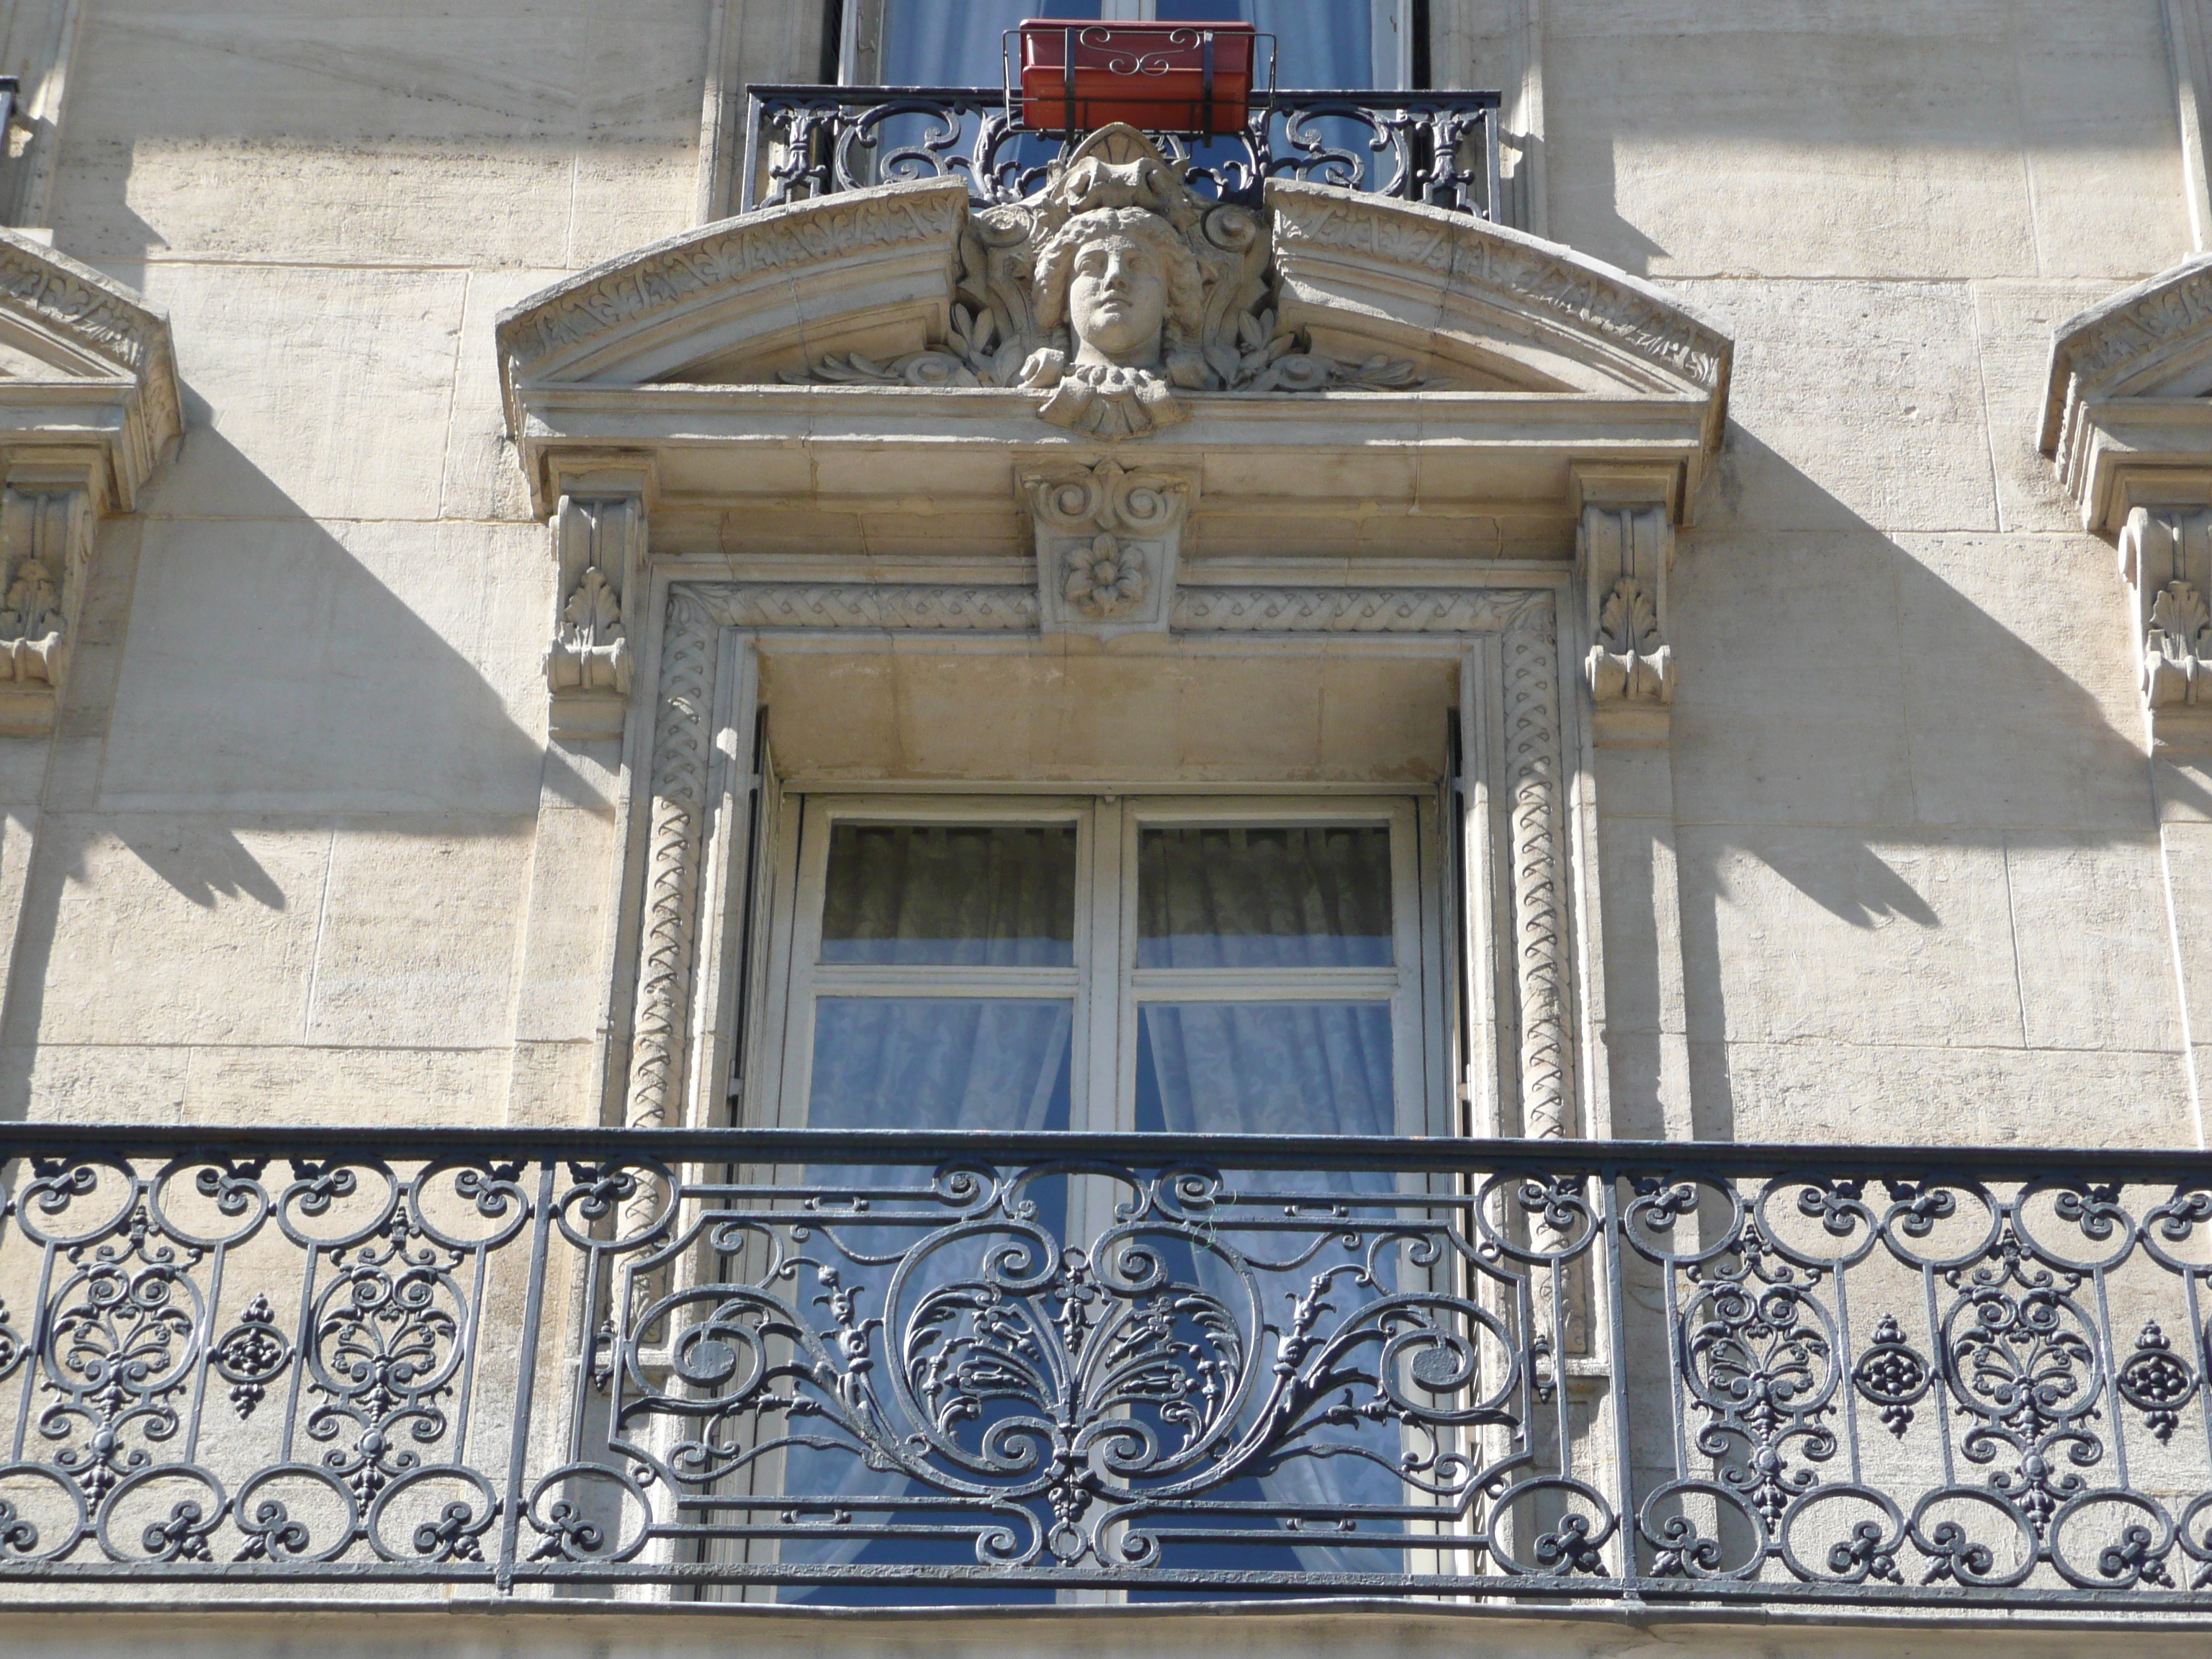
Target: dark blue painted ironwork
(1438,148)
(985,1365)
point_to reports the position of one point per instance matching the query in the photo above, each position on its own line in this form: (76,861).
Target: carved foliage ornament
(1111,290)
(1107,540)
(2166,558)
(1625,552)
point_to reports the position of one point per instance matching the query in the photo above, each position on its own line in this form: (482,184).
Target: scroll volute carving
(47,519)
(1108,544)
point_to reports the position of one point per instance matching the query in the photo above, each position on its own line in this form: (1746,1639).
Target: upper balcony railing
(898,1366)
(1439,148)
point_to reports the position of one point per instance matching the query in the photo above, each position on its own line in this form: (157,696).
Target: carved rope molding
(681,734)
(683,738)
(1534,774)
(1195,610)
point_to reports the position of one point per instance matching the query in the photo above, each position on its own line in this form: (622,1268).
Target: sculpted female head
(1129,287)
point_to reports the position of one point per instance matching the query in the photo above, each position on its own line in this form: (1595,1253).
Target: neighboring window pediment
(83,363)
(2130,396)
(89,406)
(1112,304)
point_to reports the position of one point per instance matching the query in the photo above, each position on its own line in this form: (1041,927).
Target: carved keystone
(1107,541)
(599,545)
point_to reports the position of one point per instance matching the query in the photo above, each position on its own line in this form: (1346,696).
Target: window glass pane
(939,1063)
(955,43)
(1287,1068)
(1318,43)
(1297,897)
(994,896)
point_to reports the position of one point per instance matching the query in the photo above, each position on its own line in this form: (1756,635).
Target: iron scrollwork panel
(1435,148)
(1927,1380)
(1309,1377)
(990,1367)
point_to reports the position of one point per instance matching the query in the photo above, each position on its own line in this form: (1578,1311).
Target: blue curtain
(1318,43)
(955,43)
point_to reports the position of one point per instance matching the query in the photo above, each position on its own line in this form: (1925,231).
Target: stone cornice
(617,298)
(1483,260)
(679,349)
(2138,328)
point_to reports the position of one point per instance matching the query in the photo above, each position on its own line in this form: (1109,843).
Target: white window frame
(1102,1042)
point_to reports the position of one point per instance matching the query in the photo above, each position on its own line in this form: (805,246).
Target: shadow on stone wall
(1918,855)
(290,815)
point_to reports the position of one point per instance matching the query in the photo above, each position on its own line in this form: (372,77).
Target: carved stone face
(1117,296)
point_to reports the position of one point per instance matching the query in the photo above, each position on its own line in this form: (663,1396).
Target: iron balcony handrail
(1436,147)
(976,1364)
(1410,1152)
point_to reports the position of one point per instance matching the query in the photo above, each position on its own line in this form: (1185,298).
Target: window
(1190,964)
(1202,965)
(956,43)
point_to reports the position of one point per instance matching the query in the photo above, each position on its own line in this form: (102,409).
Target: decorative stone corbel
(1624,547)
(47,514)
(599,528)
(1108,542)
(2165,557)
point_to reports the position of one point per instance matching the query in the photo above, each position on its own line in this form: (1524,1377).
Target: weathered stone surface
(1885,140)
(309,667)
(281,366)
(414,944)
(495,134)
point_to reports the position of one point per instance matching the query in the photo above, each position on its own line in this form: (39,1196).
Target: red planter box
(1161,77)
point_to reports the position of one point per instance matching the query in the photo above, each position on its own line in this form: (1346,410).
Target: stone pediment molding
(88,407)
(904,316)
(84,364)
(1404,270)
(2129,400)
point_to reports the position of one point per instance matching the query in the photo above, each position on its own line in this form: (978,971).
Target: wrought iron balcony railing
(1440,147)
(903,1367)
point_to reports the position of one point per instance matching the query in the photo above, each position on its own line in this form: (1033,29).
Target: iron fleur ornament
(1112,291)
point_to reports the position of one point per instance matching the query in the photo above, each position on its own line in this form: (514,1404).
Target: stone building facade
(1739,576)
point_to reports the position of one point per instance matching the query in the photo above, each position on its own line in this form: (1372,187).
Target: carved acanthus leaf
(1630,663)
(591,653)
(2177,649)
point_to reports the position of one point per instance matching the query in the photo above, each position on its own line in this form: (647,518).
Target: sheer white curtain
(924,898)
(1275,898)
